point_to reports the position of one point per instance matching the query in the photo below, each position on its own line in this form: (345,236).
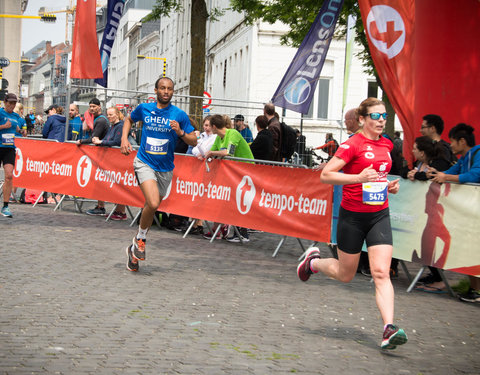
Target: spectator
(204,144)
(330,146)
(351,122)
(239,122)
(467,169)
(262,146)
(428,154)
(100,123)
(30,119)
(229,142)
(11,125)
(300,145)
(54,127)
(432,127)
(112,138)
(398,142)
(205,140)
(76,122)
(228,121)
(276,130)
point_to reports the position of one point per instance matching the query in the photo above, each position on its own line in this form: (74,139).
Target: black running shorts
(7,155)
(355,227)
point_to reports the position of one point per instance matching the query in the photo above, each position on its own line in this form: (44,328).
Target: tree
(299,16)
(198,27)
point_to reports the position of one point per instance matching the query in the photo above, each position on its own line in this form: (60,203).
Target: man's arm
(125,146)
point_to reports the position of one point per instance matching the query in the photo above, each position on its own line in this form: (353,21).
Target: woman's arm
(331,174)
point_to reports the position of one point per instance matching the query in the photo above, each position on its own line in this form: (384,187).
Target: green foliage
(163,8)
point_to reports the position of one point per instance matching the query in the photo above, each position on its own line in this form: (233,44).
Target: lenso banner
(297,87)
(286,201)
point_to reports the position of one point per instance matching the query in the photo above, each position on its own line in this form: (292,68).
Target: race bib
(156,146)
(7,139)
(375,193)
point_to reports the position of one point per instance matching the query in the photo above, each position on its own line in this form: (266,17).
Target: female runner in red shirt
(364,215)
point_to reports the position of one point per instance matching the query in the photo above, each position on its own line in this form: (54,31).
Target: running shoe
(97,211)
(6,212)
(130,265)
(118,216)
(138,250)
(471,296)
(393,336)
(237,239)
(303,269)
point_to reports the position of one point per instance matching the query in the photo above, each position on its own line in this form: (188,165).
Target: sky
(34,30)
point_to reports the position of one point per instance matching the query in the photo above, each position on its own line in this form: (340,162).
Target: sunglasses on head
(376,115)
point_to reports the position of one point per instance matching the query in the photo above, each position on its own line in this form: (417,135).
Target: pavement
(69,306)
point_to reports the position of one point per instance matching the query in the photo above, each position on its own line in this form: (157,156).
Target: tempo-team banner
(282,200)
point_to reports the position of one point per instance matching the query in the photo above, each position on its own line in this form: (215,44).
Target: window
(225,74)
(372,91)
(319,104)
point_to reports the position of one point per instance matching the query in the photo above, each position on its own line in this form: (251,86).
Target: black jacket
(262,145)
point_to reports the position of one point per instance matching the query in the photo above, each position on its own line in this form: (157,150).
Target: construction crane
(70,16)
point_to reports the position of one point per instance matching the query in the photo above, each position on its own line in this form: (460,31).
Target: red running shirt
(359,153)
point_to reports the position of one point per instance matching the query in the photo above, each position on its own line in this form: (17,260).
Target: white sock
(142,233)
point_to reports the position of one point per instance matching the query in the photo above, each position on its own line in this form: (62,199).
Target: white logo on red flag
(386,29)
(245,195)
(18,163)
(84,170)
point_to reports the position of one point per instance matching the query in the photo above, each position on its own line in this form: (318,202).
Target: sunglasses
(376,115)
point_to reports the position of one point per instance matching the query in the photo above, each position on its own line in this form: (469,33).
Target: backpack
(289,140)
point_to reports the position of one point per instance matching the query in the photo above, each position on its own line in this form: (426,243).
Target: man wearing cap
(246,133)
(100,122)
(11,125)
(54,127)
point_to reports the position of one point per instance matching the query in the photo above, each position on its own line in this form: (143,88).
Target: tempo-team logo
(84,170)
(245,195)
(18,163)
(298,91)
(386,29)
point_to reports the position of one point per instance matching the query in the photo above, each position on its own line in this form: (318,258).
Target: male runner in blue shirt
(163,123)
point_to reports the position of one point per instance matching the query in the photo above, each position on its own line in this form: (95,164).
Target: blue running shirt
(7,136)
(158,139)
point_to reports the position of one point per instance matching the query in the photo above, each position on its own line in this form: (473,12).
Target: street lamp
(142,57)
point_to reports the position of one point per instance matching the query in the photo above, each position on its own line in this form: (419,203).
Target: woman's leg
(380,258)
(342,269)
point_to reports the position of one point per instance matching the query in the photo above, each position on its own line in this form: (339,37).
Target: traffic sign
(4,84)
(4,62)
(209,98)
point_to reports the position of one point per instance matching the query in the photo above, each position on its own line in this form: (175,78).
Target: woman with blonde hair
(361,164)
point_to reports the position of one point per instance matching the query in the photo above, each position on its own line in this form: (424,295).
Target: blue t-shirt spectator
(467,167)
(247,134)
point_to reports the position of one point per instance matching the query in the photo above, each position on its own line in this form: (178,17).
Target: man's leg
(7,188)
(152,201)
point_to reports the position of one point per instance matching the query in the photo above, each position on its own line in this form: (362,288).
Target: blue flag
(297,87)
(115,11)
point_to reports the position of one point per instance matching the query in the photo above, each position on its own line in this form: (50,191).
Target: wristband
(183,135)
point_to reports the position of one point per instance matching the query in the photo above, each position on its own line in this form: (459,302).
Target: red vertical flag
(86,61)
(389,25)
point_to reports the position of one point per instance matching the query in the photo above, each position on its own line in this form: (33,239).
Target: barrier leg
(1,188)
(111,213)
(279,246)
(189,228)
(38,199)
(447,285)
(59,204)
(405,269)
(129,211)
(415,280)
(216,232)
(135,218)
(77,204)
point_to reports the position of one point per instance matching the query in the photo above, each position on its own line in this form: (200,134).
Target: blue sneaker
(6,212)
(393,336)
